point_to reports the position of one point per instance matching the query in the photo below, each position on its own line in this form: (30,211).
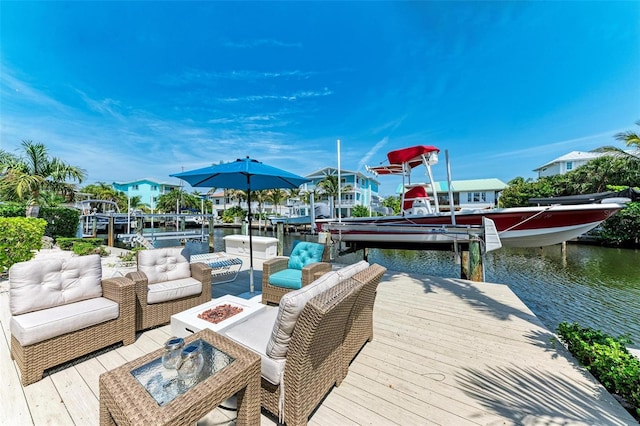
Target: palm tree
(25,177)
(629,138)
(102,191)
(329,187)
(176,198)
(276,196)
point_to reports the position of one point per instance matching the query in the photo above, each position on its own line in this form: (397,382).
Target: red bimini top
(410,155)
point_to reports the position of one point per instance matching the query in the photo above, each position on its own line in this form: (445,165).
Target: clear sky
(132,90)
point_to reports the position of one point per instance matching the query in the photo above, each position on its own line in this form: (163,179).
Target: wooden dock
(445,352)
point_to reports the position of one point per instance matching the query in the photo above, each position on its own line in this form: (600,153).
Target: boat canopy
(412,155)
(401,161)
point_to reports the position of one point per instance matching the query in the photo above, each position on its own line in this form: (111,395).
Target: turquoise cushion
(305,253)
(289,278)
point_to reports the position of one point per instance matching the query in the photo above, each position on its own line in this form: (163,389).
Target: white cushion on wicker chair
(41,284)
(290,308)
(172,290)
(34,327)
(350,270)
(292,304)
(255,333)
(164,264)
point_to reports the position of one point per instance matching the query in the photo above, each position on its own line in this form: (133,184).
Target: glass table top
(164,385)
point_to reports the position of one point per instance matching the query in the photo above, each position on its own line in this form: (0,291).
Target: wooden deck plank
(46,405)
(79,400)
(444,352)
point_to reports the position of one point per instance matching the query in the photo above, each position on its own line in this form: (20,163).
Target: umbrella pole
(251,287)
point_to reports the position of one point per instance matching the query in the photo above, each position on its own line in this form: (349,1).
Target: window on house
(135,187)
(569,165)
(154,187)
(476,197)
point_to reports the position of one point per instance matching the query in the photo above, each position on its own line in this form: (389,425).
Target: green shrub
(12,209)
(68,243)
(61,221)
(21,236)
(233,212)
(130,256)
(84,248)
(607,358)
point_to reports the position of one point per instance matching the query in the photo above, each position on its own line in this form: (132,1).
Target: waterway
(593,286)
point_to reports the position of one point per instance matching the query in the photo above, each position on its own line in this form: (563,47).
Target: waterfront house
(575,159)
(566,163)
(467,194)
(147,189)
(357,189)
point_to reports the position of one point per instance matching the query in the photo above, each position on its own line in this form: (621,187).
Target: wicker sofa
(167,283)
(62,309)
(281,274)
(301,341)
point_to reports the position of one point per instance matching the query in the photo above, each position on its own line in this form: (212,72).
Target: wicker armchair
(302,341)
(359,328)
(281,275)
(167,283)
(62,309)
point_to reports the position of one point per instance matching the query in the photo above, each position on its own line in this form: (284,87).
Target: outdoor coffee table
(187,322)
(126,392)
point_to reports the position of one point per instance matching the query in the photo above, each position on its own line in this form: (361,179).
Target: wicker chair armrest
(118,289)
(141,285)
(313,270)
(275,264)
(201,271)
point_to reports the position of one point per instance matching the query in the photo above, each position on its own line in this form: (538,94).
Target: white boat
(290,220)
(534,226)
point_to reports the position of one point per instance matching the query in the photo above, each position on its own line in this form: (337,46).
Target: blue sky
(131,90)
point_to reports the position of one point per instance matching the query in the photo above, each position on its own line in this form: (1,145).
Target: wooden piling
(280,237)
(110,228)
(475,260)
(211,242)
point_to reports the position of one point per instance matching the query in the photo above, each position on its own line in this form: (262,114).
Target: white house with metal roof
(467,194)
(567,162)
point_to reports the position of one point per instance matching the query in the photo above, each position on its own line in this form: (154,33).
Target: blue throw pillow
(305,253)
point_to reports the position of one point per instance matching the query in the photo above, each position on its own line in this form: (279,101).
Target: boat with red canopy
(422,224)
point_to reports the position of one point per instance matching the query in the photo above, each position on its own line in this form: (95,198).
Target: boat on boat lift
(422,223)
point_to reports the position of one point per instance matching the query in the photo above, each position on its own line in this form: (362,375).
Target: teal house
(357,189)
(148,190)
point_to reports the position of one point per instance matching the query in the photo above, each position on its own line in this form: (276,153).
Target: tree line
(34,177)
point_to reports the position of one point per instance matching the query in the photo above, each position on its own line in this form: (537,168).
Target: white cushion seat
(255,333)
(37,326)
(172,290)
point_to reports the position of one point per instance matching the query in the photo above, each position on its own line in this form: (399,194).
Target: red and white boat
(423,224)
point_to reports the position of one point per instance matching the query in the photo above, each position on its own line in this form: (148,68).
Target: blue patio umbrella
(246,174)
